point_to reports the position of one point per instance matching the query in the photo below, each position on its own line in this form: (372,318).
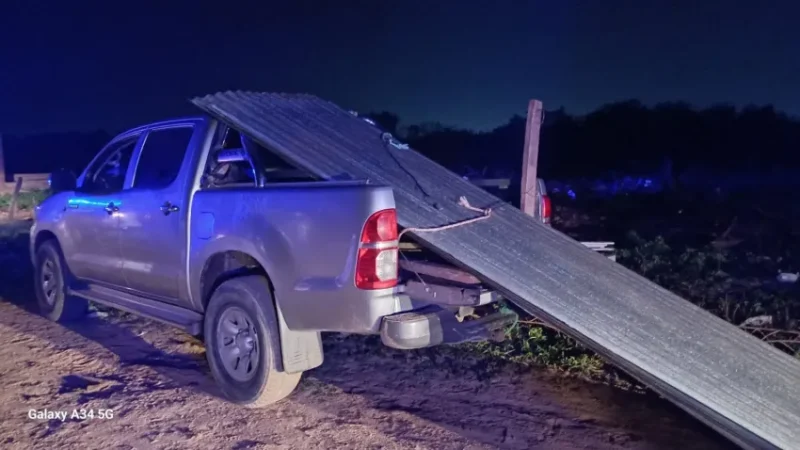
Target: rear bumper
(434,325)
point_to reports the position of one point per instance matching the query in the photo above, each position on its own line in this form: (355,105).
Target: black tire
(51,283)
(241,320)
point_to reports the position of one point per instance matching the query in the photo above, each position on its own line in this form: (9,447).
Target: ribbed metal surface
(744,388)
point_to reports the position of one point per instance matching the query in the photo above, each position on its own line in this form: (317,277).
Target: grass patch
(729,271)
(26,201)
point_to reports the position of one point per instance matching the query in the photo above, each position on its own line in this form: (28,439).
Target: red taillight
(546,209)
(376,267)
(380,227)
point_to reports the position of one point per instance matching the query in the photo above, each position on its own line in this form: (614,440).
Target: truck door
(91,218)
(153,239)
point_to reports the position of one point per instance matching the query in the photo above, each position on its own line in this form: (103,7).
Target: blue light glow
(76,202)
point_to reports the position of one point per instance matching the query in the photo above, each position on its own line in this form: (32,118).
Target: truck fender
(300,350)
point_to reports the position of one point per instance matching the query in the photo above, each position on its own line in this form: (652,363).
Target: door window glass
(107,173)
(161,157)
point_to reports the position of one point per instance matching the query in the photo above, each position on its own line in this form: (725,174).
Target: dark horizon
(625,137)
(84,66)
(403,124)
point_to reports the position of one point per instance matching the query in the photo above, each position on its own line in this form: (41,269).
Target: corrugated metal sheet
(732,381)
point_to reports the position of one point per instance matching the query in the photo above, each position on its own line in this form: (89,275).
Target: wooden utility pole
(530,158)
(12,211)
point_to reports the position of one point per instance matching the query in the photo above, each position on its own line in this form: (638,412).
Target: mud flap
(301,350)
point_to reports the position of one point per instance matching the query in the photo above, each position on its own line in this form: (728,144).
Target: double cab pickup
(193,224)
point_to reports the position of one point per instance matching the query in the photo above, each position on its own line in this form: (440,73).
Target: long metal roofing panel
(739,385)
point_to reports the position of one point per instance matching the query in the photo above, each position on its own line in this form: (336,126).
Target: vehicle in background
(543,211)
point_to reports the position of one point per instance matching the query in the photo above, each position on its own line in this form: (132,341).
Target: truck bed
(426,275)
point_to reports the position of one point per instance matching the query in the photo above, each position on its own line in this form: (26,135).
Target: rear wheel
(242,343)
(51,286)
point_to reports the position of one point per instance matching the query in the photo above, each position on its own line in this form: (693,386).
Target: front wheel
(243,344)
(51,286)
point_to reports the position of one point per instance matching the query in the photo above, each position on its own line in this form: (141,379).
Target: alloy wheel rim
(50,281)
(238,345)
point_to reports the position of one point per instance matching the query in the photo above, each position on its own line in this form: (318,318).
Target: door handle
(111,208)
(168,208)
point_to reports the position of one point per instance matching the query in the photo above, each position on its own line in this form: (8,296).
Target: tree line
(623,137)
(620,137)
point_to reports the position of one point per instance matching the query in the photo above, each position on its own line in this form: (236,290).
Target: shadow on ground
(508,407)
(121,335)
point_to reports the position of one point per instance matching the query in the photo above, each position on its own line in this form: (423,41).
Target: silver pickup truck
(192,224)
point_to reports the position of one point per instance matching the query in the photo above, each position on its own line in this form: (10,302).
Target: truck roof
(163,123)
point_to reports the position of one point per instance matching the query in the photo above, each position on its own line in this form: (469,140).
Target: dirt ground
(155,381)
(152,387)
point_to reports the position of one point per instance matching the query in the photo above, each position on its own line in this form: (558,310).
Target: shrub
(25,201)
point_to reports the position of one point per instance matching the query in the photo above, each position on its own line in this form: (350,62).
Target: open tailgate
(744,388)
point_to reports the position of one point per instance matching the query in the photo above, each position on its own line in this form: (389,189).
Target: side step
(433,325)
(190,321)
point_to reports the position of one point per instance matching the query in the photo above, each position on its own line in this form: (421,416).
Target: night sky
(89,65)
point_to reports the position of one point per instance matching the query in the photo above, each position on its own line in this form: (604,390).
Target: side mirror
(62,180)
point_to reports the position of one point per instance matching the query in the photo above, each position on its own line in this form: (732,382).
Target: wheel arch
(43,236)
(225,265)
(299,350)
